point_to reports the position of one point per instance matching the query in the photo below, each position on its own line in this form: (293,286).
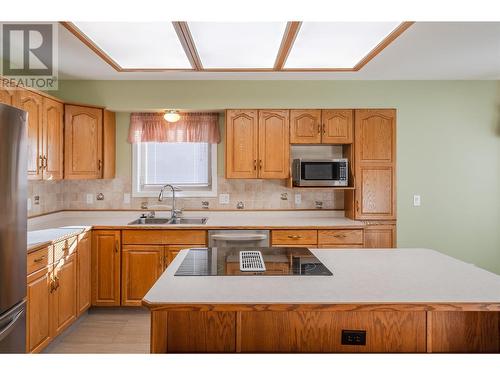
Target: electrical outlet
(298,198)
(90,198)
(29,204)
(223,198)
(416,201)
(126,198)
(353,337)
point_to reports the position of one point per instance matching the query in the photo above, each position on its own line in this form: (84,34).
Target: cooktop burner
(225,261)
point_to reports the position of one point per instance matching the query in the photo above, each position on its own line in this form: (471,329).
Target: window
(190,166)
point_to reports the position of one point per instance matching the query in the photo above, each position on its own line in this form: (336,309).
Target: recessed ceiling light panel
(138,45)
(336,44)
(226,45)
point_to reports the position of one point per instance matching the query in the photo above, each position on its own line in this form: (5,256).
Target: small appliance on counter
(247,261)
(320,172)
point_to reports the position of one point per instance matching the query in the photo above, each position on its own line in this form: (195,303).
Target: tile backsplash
(255,195)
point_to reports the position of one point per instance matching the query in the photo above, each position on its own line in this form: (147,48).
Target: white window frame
(186,191)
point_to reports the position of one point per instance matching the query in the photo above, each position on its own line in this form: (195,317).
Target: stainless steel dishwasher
(238,238)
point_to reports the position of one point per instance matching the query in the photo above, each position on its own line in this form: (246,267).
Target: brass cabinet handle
(324,129)
(99,164)
(255,165)
(357,206)
(38,260)
(40,166)
(260,164)
(117,246)
(339,235)
(294,236)
(45,162)
(319,128)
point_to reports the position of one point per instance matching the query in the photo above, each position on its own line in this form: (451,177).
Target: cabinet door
(64,296)
(274,144)
(83,142)
(142,265)
(305,126)
(38,315)
(109,145)
(6,96)
(337,126)
(380,236)
(84,249)
(32,103)
(52,139)
(375,161)
(106,268)
(241,144)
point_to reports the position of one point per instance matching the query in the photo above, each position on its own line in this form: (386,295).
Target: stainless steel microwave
(320,172)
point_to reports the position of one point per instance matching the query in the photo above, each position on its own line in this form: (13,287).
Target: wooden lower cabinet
(64,295)
(142,265)
(106,260)
(38,333)
(380,236)
(84,275)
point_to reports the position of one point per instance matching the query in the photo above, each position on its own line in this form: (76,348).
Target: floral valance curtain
(192,127)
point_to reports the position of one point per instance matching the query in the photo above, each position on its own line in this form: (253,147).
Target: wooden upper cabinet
(241,143)
(305,126)
(106,260)
(375,164)
(52,139)
(32,103)
(274,144)
(109,144)
(6,96)
(83,155)
(337,126)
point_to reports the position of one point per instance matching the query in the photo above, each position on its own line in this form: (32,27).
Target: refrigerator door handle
(5,331)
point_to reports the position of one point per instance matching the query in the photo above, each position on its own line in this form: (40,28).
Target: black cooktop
(279,261)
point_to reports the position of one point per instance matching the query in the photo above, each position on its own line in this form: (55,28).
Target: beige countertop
(359,276)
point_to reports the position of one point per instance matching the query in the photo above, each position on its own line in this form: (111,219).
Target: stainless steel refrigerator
(13,224)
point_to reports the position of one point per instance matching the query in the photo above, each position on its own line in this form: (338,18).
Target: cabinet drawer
(291,237)
(164,237)
(37,260)
(345,246)
(340,237)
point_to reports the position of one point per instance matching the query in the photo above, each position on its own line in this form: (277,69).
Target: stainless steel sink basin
(166,221)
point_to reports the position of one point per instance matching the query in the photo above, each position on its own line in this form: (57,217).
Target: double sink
(168,221)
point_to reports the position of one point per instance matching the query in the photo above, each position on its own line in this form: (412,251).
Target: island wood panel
(83,142)
(84,272)
(6,96)
(106,260)
(32,103)
(38,333)
(340,237)
(305,126)
(52,139)
(395,332)
(159,332)
(64,296)
(241,144)
(337,126)
(142,265)
(274,144)
(463,332)
(164,237)
(380,236)
(206,332)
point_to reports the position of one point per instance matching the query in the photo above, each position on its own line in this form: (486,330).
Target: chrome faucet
(174,212)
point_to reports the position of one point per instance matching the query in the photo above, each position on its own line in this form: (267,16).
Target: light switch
(29,204)
(416,201)
(298,198)
(126,198)
(90,198)
(223,198)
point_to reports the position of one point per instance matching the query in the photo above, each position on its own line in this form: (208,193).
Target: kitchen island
(404,300)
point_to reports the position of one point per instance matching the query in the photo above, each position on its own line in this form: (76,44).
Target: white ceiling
(426,51)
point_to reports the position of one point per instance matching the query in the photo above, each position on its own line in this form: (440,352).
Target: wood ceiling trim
(383,44)
(187,42)
(89,43)
(291,31)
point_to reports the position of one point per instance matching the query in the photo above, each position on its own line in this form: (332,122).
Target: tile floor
(106,330)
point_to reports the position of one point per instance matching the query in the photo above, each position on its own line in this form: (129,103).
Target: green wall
(448,143)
